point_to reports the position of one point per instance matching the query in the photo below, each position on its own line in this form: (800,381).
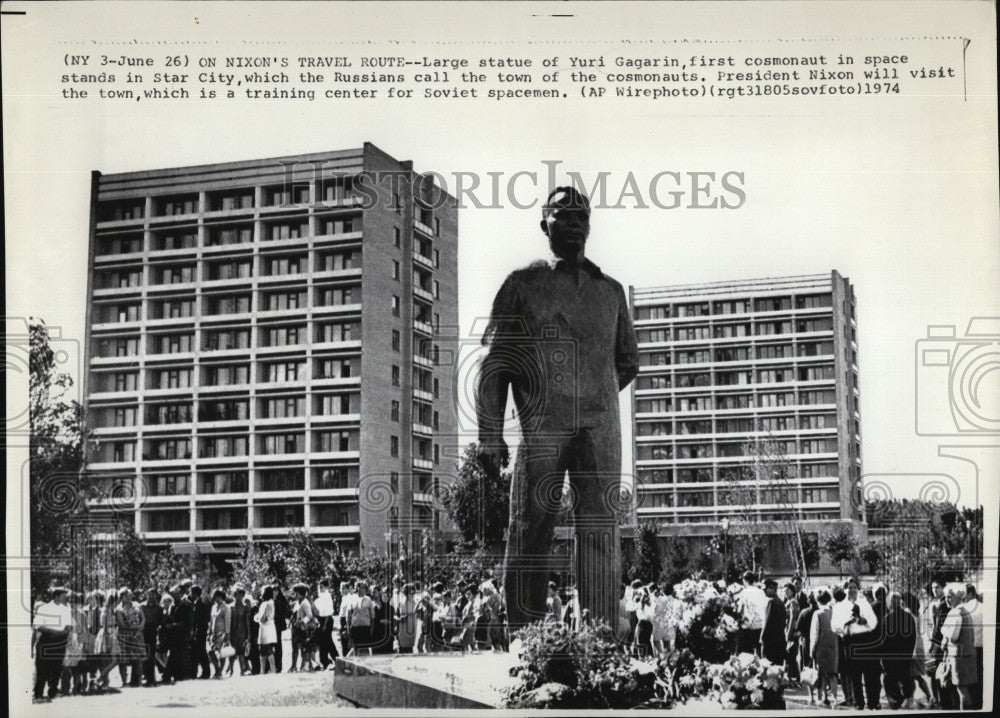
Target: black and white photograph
(397,357)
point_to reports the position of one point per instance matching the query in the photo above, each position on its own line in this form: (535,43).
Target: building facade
(746,403)
(262,348)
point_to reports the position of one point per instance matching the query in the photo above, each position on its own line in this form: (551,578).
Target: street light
(725,548)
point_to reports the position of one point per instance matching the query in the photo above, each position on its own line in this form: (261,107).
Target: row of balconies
(115,249)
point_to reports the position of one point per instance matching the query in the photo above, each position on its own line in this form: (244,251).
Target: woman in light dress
(219,630)
(267,637)
(106,643)
(406,620)
(130,621)
(664,620)
(823,647)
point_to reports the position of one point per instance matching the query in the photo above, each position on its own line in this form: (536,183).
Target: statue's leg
(534,508)
(595,475)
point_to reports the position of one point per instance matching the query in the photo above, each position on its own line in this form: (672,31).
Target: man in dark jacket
(772,636)
(182,620)
(201,611)
(282,612)
(898,641)
(152,613)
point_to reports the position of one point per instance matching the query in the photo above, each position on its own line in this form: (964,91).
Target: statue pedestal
(434,680)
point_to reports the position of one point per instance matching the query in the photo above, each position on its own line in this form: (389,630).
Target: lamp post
(725,549)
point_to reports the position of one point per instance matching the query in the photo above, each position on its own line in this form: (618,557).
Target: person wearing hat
(53,621)
(560,334)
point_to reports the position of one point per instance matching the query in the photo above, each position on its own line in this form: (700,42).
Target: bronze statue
(560,334)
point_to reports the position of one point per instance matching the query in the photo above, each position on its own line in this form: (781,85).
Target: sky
(898,196)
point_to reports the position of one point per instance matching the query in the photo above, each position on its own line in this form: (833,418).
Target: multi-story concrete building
(262,347)
(740,377)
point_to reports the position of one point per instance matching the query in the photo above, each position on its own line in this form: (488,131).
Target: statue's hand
(493,455)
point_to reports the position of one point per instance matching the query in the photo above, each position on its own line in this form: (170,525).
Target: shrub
(562,668)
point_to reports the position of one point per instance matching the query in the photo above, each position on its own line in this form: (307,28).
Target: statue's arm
(626,345)
(495,371)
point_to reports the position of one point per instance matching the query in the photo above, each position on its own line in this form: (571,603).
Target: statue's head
(566,222)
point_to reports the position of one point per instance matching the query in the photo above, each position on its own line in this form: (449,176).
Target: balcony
(423,327)
(422,429)
(422,463)
(425,229)
(422,498)
(423,293)
(423,260)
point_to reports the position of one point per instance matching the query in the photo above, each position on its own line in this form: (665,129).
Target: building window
(394,482)
(395,340)
(395,270)
(393,446)
(394,411)
(395,375)
(437,226)
(437,389)
(437,258)
(341,225)
(395,306)
(397,237)
(281,480)
(333,478)
(333,368)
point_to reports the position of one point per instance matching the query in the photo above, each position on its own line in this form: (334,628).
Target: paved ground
(301,690)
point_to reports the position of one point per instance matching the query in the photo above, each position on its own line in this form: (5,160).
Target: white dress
(265,617)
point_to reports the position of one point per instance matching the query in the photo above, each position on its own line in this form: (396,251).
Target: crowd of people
(827,637)
(867,641)
(160,638)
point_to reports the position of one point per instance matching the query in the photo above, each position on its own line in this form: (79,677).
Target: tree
(169,568)
(810,551)
(676,564)
(309,560)
(58,490)
(841,546)
(762,480)
(872,554)
(478,502)
(648,556)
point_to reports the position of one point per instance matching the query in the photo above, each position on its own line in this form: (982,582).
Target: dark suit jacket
(281,612)
(899,637)
(184,620)
(153,614)
(201,613)
(772,636)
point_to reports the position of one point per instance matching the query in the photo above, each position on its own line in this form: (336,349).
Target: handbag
(943,673)
(809,676)
(227,651)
